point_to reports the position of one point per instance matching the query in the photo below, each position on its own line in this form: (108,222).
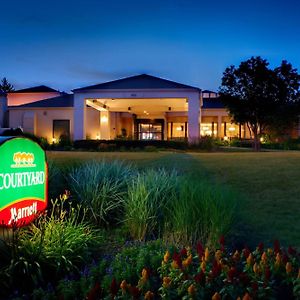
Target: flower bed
(271,273)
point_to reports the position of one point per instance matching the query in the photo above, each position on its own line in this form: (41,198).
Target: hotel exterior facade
(141,107)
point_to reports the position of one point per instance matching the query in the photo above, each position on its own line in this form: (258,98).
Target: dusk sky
(69,44)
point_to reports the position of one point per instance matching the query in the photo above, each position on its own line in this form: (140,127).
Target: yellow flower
(216,296)
(298,274)
(191,290)
(187,261)
(166,257)
(218,254)
(206,254)
(174,265)
(264,258)
(256,268)
(166,282)
(288,267)
(270,251)
(149,295)
(250,260)
(203,266)
(123,285)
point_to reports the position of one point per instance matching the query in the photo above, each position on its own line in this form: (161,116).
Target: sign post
(23,181)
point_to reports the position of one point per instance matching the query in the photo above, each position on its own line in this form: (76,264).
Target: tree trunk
(256,141)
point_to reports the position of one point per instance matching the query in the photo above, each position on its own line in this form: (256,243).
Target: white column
(79,117)
(219,126)
(193,117)
(104,125)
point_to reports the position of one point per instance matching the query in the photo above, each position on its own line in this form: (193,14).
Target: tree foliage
(261,97)
(5,86)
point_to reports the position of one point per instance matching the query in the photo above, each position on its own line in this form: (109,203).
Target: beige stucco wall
(23,98)
(92,123)
(43,120)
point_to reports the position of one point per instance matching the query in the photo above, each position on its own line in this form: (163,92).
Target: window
(61,129)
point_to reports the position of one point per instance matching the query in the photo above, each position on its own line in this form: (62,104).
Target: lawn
(266,185)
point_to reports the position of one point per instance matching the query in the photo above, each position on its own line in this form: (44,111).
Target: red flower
(134,292)
(114,287)
(246,252)
(260,247)
(254,286)
(222,242)
(216,269)
(292,251)
(200,250)
(177,259)
(200,278)
(183,252)
(276,246)
(94,293)
(231,274)
(267,274)
(244,278)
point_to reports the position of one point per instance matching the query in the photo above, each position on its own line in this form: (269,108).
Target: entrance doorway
(146,129)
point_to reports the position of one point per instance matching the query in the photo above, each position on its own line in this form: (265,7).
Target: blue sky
(68,44)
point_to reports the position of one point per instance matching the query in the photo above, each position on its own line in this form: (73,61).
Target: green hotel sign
(23,181)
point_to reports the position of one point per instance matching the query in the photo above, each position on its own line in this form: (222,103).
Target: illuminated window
(209,129)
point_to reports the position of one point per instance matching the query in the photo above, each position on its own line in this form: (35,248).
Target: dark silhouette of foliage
(5,86)
(261,97)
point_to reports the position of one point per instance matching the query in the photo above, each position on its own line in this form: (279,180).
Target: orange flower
(278,260)
(216,296)
(256,269)
(206,254)
(145,274)
(123,285)
(250,260)
(264,258)
(167,257)
(166,282)
(288,267)
(149,295)
(236,255)
(203,266)
(174,264)
(218,255)
(191,290)
(246,297)
(187,261)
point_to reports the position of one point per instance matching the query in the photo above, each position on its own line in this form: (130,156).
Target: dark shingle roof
(37,89)
(142,81)
(212,103)
(65,100)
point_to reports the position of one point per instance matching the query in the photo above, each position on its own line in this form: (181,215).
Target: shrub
(148,196)
(200,212)
(51,247)
(100,187)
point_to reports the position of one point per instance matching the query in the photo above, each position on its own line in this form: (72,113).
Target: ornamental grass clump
(200,212)
(100,186)
(149,194)
(53,246)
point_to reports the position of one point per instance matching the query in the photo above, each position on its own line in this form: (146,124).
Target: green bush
(51,247)
(148,196)
(100,187)
(200,212)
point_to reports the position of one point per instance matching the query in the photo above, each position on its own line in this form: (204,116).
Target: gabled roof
(143,81)
(37,89)
(66,100)
(212,103)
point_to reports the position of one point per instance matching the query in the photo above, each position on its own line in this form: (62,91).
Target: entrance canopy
(142,97)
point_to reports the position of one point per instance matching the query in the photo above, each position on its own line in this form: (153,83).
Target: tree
(5,86)
(261,97)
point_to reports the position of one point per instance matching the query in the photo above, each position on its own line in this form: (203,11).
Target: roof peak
(37,89)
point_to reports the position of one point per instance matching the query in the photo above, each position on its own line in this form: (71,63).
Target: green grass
(266,184)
